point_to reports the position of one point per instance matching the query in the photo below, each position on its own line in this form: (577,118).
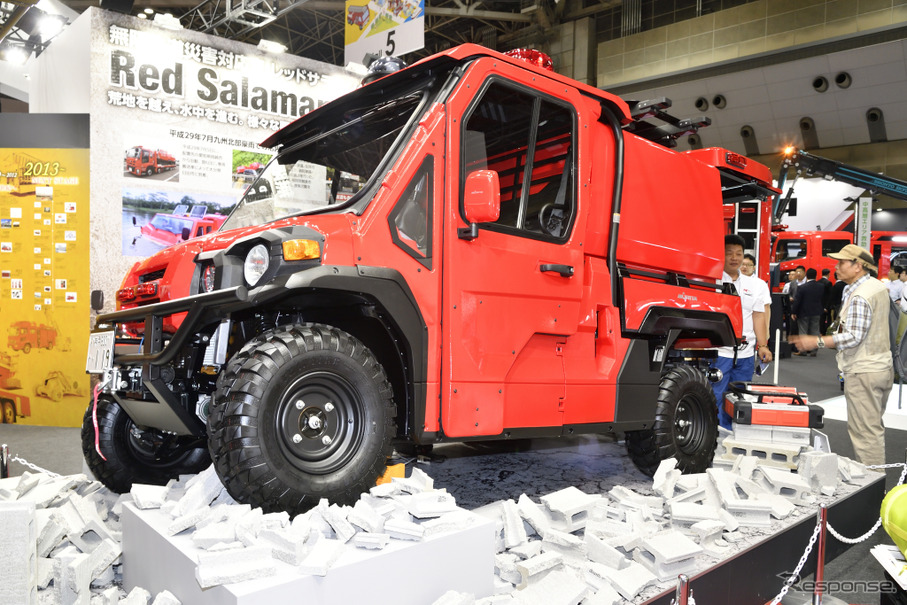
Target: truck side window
(830,246)
(410,220)
(528,141)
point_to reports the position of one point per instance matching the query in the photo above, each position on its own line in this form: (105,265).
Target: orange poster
(44,285)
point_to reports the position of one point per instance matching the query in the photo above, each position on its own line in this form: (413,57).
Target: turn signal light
(148,289)
(126,294)
(301,249)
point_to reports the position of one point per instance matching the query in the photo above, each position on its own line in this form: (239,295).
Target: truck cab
(473,248)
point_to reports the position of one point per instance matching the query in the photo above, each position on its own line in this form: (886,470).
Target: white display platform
(403,572)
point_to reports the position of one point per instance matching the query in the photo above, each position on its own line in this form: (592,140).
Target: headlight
(208,278)
(257,261)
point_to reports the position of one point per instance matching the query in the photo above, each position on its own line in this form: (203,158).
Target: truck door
(511,296)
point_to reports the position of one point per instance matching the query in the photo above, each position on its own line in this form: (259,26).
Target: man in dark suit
(826,301)
(807,307)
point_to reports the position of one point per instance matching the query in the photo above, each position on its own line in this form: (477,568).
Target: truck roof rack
(669,130)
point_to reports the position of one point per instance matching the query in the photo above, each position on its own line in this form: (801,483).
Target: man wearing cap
(864,351)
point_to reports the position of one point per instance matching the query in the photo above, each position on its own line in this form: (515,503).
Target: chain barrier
(26,463)
(878,522)
(796,575)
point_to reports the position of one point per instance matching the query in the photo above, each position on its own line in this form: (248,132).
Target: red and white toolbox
(771,405)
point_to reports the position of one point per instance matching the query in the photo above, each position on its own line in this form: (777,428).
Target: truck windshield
(336,156)
(171,223)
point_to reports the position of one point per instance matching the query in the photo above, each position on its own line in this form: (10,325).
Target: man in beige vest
(864,352)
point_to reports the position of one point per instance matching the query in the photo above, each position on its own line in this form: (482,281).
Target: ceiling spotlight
(15,55)
(149,11)
(271,47)
(49,26)
(142,16)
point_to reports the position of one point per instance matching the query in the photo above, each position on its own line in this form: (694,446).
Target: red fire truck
(523,255)
(25,335)
(145,162)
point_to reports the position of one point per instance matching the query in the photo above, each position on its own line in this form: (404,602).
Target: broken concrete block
(665,478)
(570,507)
(416,483)
(201,490)
(744,466)
(27,481)
(137,596)
(51,533)
(290,546)
(321,557)
(532,568)
(601,552)
(781,507)
(366,517)
(45,573)
(784,483)
(514,530)
(629,581)
(336,518)
(104,555)
(235,565)
(110,596)
(668,554)
(18,557)
(709,535)
(449,522)
(105,578)
(685,514)
(556,588)
(533,514)
(72,576)
(425,505)
(214,533)
(527,550)
(750,513)
(165,598)
(819,469)
(385,490)
(148,496)
(370,541)
(506,564)
(403,530)
(184,522)
(630,499)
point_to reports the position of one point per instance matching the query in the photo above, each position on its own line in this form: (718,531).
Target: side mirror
(481,201)
(97,300)
(185,233)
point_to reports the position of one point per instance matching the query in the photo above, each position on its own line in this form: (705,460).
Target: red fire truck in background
(141,161)
(810,249)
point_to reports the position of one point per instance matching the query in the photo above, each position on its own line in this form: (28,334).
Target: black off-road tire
(129,458)
(686,425)
(339,450)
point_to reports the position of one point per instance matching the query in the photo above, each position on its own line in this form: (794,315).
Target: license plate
(100,352)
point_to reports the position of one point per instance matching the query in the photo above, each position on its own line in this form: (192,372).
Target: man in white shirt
(752,302)
(896,277)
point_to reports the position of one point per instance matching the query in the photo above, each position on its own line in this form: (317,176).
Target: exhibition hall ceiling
(314,28)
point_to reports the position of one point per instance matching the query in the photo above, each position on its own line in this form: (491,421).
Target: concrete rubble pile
(62,537)
(62,543)
(623,546)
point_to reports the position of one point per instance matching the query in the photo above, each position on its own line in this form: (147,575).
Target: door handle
(562,270)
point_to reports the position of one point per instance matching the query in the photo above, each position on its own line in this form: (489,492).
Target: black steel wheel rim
(689,425)
(319,422)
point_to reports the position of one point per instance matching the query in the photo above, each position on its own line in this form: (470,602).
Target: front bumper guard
(166,411)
